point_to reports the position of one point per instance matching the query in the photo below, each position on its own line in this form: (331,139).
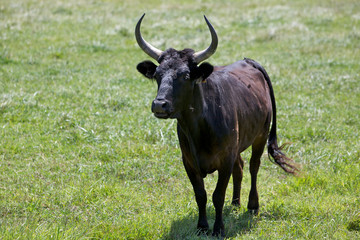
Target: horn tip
(206,20)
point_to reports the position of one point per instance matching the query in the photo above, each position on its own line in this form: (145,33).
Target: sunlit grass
(81,155)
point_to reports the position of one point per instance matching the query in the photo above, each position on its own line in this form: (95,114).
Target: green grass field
(82,157)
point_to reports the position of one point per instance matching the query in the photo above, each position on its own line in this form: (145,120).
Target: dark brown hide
(233,110)
(230,112)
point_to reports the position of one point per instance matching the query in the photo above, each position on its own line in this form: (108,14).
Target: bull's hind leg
(237,175)
(257,151)
(218,199)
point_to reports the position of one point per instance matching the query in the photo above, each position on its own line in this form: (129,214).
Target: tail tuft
(286,163)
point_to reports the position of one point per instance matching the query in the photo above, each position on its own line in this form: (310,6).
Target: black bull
(220,112)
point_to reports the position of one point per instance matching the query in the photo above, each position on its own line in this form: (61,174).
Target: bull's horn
(145,46)
(204,54)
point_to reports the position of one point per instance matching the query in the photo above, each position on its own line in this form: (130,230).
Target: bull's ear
(203,71)
(147,68)
(206,69)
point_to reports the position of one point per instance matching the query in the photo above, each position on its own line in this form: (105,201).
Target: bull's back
(245,84)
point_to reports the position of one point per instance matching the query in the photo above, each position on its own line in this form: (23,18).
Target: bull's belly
(211,162)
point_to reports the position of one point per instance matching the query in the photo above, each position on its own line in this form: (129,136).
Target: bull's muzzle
(160,108)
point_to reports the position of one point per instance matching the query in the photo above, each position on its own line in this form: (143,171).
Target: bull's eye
(187,76)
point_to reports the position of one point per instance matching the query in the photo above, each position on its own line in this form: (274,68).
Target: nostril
(159,106)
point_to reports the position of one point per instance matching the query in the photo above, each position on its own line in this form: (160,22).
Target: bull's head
(176,75)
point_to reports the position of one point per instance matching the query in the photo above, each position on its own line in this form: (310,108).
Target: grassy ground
(81,155)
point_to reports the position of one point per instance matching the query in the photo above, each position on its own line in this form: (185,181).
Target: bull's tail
(286,163)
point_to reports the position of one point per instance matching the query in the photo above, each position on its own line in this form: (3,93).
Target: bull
(220,112)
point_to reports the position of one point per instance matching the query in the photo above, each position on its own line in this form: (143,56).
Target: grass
(81,155)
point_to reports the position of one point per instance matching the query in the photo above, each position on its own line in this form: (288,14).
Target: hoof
(202,228)
(202,232)
(254,211)
(220,233)
(236,203)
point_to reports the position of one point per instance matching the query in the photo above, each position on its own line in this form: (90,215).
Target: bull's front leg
(218,200)
(200,195)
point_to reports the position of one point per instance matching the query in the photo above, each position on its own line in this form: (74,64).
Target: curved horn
(145,46)
(204,54)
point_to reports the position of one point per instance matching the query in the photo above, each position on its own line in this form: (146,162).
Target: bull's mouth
(162,115)
(165,115)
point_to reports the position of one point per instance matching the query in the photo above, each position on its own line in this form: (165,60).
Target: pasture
(82,156)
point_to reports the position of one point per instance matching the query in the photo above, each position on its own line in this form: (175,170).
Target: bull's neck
(190,122)
(193,115)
